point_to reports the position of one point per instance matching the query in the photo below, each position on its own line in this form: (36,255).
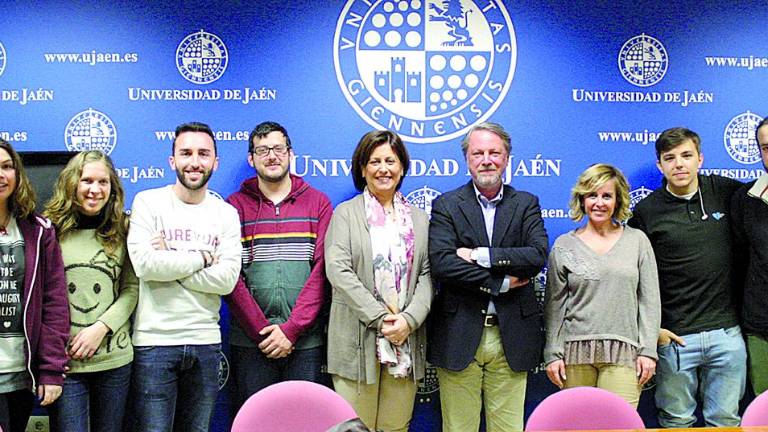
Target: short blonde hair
(592,179)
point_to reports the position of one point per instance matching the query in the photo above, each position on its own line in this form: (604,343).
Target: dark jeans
(252,370)
(15,408)
(175,387)
(95,398)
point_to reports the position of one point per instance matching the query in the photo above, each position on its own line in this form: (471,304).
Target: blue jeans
(712,364)
(253,371)
(95,398)
(175,387)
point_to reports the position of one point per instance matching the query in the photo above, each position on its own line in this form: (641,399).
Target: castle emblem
(739,138)
(223,372)
(422,198)
(643,60)
(201,57)
(428,386)
(637,195)
(540,285)
(90,130)
(427,69)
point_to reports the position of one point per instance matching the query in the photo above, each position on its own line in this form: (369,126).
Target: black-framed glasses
(263,151)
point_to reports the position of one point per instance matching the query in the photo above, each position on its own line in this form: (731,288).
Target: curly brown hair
(62,208)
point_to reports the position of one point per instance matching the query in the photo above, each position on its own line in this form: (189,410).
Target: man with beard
(749,211)
(277,333)
(486,242)
(184,245)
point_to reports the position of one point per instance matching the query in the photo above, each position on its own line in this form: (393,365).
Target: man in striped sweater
(276,333)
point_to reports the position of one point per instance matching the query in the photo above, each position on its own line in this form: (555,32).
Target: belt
(491,320)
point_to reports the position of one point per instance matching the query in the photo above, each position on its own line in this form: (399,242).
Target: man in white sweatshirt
(184,244)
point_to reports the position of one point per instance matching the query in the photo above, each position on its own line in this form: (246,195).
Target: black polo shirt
(693,254)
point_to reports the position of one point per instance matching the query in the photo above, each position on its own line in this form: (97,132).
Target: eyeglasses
(263,151)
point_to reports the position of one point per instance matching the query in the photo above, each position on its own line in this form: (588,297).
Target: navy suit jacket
(518,248)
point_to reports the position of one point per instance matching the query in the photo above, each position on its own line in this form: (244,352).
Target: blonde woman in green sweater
(87,209)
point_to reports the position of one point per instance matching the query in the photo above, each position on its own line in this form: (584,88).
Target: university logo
(643,60)
(428,386)
(201,57)
(637,195)
(739,138)
(2,59)
(90,130)
(422,198)
(540,285)
(428,69)
(223,373)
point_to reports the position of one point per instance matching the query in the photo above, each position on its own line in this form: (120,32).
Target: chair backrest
(583,408)
(296,406)
(756,413)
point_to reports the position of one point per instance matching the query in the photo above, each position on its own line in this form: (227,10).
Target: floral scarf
(392,252)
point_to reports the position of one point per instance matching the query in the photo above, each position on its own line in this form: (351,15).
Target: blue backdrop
(574,82)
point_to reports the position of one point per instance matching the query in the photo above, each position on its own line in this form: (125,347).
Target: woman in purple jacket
(34,313)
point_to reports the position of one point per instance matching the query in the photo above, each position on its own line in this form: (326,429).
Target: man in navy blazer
(486,242)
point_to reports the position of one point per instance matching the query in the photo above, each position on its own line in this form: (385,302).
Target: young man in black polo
(701,350)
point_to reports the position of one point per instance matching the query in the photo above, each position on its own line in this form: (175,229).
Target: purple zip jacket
(46,310)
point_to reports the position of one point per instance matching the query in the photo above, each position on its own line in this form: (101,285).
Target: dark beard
(272,179)
(193,187)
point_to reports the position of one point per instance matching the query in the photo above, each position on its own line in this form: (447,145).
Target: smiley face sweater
(100,287)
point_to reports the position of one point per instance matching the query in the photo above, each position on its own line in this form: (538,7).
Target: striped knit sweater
(283,276)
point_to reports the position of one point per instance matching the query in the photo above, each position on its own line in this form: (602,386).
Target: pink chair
(583,408)
(756,413)
(293,406)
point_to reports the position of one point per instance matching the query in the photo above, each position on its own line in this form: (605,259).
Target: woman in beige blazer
(376,260)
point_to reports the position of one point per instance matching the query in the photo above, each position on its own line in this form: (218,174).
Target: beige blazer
(355,314)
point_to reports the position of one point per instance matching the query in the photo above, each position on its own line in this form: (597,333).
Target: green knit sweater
(100,288)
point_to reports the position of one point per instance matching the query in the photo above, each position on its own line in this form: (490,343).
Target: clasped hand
(276,345)
(395,329)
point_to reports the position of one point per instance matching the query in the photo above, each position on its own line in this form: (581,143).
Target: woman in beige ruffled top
(602,301)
